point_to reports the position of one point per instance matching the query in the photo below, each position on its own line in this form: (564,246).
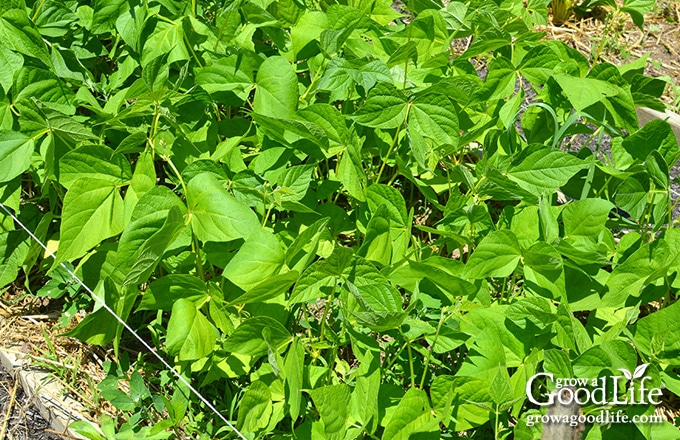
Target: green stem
(197,251)
(394,142)
(326,308)
(309,89)
(408,41)
(434,342)
(410,364)
(395,357)
(37,11)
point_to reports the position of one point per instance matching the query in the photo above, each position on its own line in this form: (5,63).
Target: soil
(18,417)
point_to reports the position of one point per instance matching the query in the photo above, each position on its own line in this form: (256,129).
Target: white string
(127,327)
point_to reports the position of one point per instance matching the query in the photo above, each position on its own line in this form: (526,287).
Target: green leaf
(255,408)
(656,135)
(379,194)
(276,94)
(165,291)
(584,92)
(144,242)
(225,76)
(269,288)
(248,338)
(260,257)
(586,218)
(16,150)
(385,107)
(155,72)
(332,402)
(14,247)
(544,170)
(315,282)
(377,244)
(94,162)
(190,335)
(500,389)
(412,415)
(434,116)
(41,85)
(93,211)
(12,63)
(303,249)
(18,33)
(638,9)
(652,334)
(496,255)
(215,215)
(631,196)
(105,13)
(294,374)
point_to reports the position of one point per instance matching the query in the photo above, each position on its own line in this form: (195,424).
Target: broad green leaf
(255,408)
(303,249)
(276,94)
(544,170)
(364,403)
(248,338)
(14,246)
(377,244)
(656,135)
(144,242)
(378,195)
(155,72)
(294,374)
(377,297)
(12,62)
(500,389)
(496,255)
(652,334)
(93,211)
(412,415)
(342,76)
(586,218)
(584,92)
(631,196)
(190,335)
(16,150)
(94,162)
(224,76)
(215,215)
(646,264)
(385,107)
(557,362)
(18,33)
(260,257)
(105,13)
(637,9)
(166,38)
(434,116)
(99,327)
(315,282)
(269,288)
(165,291)
(332,402)
(41,85)
(538,64)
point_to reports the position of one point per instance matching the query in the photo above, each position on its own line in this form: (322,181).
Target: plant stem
(410,363)
(326,308)
(394,142)
(434,342)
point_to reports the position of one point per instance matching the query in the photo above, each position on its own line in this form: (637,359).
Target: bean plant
(338,219)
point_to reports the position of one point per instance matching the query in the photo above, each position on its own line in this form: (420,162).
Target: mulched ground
(19,420)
